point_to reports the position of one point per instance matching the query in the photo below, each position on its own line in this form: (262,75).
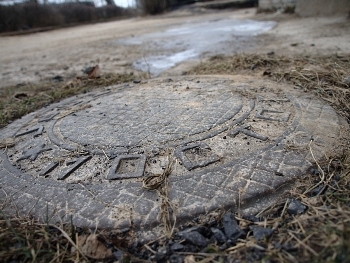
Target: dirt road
(66,52)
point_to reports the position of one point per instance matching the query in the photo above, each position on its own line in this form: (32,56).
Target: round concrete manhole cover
(232,142)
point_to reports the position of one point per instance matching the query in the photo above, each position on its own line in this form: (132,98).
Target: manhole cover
(234,143)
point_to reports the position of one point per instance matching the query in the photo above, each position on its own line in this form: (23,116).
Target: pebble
(176,247)
(251,218)
(58,78)
(195,238)
(204,231)
(231,228)
(314,171)
(218,234)
(347,80)
(295,207)
(317,191)
(162,254)
(118,255)
(260,232)
(176,258)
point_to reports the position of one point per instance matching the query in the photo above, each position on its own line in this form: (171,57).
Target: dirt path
(65,52)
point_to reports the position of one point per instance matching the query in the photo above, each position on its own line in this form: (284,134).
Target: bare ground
(41,56)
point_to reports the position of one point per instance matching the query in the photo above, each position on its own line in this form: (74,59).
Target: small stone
(219,235)
(251,218)
(278,174)
(231,228)
(230,243)
(21,95)
(336,177)
(57,78)
(266,73)
(260,232)
(174,258)
(162,254)
(289,247)
(118,255)
(176,247)
(223,247)
(317,191)
(195,238)
(204,231)
(137,81)
(295,207)
(347,80)
(191,248)
(314,171)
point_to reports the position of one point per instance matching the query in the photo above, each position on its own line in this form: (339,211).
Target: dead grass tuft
(25,240)
(160,183)
(35,96)
(324,75)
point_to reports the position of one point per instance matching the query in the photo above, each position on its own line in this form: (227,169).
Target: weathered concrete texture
(322,7)
(276,4)
(235,143)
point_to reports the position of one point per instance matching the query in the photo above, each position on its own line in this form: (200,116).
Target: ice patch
(192,40)
(157,64)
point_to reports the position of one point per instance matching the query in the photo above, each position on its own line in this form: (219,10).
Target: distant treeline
(32,15)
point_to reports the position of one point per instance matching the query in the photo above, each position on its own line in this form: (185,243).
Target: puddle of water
(192,40)
(157,64)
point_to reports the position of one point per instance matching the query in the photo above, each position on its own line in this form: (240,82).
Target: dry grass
(25,240)
(17,101)
(160,183)
(323,75)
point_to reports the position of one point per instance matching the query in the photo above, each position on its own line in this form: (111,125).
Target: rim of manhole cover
(233,142)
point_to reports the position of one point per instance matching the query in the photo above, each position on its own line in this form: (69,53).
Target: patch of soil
(67,52)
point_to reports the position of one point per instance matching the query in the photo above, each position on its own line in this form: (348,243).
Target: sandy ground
(66,52)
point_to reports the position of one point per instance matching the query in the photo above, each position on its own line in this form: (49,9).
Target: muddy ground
(66,52)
